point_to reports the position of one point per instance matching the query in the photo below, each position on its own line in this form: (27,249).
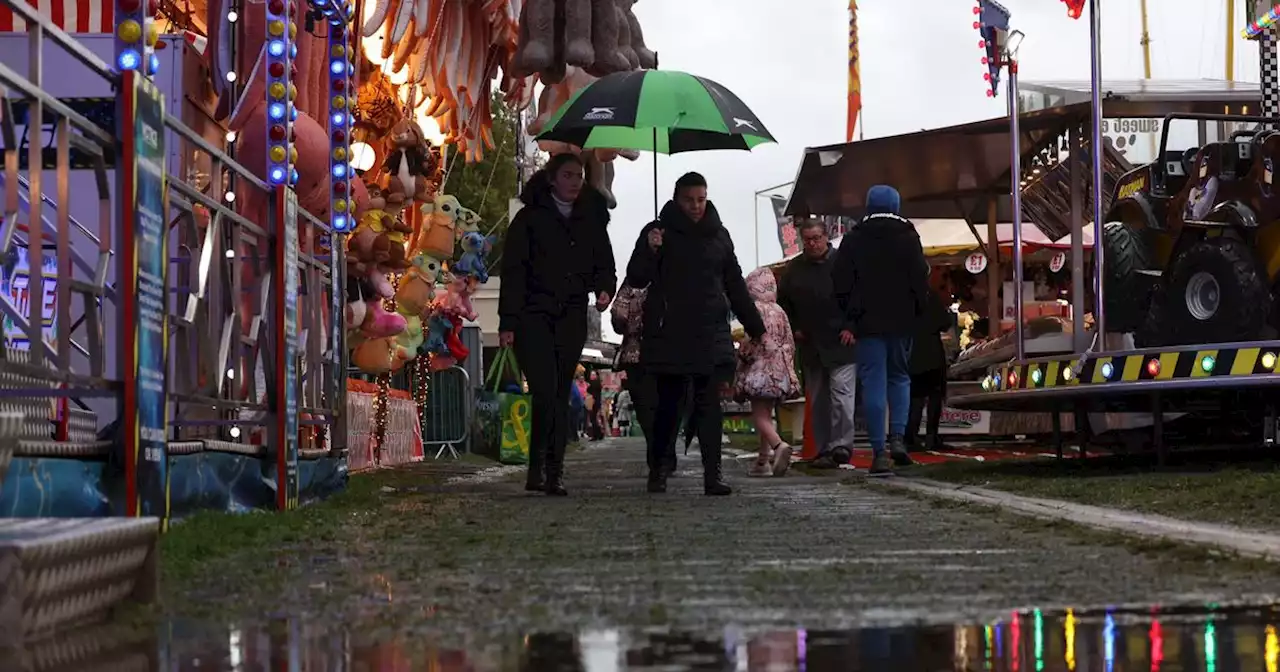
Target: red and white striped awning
(73,16)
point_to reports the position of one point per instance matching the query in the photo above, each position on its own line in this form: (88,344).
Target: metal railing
(221,296)
(446,412)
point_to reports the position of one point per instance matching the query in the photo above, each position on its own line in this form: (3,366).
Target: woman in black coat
(687,260)
(557,250)
(928,373)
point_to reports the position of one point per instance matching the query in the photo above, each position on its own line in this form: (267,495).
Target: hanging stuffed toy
(442,219)
(475,248)
(407,165)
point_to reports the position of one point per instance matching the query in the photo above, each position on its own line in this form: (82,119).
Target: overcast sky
(920,69)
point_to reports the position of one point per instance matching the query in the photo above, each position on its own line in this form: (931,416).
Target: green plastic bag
(506,415)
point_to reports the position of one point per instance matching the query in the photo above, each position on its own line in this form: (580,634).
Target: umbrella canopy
(660,111)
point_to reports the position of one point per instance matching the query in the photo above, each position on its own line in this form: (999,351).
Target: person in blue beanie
(881,283)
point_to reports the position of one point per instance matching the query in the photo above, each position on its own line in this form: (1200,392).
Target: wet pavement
(796,573)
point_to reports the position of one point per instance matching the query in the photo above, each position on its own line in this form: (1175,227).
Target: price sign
(975,263)
(1058,261)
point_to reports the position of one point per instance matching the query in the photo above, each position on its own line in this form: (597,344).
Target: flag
(855,78)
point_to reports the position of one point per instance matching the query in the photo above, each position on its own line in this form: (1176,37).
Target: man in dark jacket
(881,281)
(928,373)
(557,251)
(687,260)
(825,343)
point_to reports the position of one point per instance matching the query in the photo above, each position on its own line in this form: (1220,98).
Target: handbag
(632,299)
(504,417)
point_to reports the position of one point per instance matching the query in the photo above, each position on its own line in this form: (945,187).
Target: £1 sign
(975,263)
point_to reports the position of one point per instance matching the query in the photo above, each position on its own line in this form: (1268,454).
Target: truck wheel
(1126,290)
(1215,293)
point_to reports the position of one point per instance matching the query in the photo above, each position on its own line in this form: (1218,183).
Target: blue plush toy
(438,328)
(475,247)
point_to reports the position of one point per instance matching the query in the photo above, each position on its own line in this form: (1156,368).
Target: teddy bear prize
(422,313)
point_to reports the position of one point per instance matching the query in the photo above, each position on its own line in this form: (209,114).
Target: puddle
(1168,640)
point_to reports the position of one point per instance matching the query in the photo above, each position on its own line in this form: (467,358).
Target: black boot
(713,484)
(555,473)
(657,480)
(898,452)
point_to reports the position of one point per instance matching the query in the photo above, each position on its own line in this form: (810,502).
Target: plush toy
(438,327)
(411,338)
(396,232)
(475,247)
(442,218)
(377,323)
(417,286)
(378,355)
(601,36)
(407,164)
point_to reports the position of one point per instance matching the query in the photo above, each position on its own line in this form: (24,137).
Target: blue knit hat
(883,198)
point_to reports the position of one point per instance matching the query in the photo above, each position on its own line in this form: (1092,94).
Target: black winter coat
(686,315)
(550,262)
(881,277)
(927,352)
(806,294)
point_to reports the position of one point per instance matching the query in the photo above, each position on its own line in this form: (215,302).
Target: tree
(488,186)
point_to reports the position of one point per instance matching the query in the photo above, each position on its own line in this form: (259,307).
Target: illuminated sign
(15,284)
(1133,186)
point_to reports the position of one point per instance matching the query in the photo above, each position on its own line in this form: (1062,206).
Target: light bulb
(231,76)
(232,16)
(230,254)
(230,196)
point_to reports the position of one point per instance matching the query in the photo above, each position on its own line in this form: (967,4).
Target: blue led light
(129,60)
(340,222)
(154,63)
(293,113)
(276,111)
(293,176)
(277,175)
(1107,370)
(340,170)
(276,47)
(338,118)
(293,50)
(337,67)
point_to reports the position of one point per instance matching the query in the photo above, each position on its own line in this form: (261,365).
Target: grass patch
(204,544)
(1238,487)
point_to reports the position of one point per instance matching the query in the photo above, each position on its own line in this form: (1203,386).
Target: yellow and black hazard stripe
(1133,367)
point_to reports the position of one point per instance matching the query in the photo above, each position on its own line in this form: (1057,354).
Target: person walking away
(687,260)
(767,374)
(928,374)
(824,338)
(577,405)
(557,251)
(595,407)
(622,411)
(881,281)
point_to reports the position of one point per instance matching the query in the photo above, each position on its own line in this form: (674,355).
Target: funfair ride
(1185,267)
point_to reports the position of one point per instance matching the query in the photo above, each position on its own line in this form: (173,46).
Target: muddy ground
(443,551)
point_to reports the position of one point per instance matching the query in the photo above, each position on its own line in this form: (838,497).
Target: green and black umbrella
(659,111)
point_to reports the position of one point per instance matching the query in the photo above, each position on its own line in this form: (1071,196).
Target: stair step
(57,573)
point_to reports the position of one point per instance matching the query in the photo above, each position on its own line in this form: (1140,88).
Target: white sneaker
(781,459)
(760,469)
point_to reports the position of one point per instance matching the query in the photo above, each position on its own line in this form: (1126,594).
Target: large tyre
(1216,292)
(1126,290)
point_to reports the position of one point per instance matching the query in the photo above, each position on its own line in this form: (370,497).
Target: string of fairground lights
(380,412)
(1263,23)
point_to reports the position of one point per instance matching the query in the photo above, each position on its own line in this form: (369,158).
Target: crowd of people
(852,314)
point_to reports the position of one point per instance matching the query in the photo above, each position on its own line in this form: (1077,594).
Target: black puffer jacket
(881,277)
(686,314)
(550,262)
(927,351)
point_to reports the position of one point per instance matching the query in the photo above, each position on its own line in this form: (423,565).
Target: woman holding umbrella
(557,250)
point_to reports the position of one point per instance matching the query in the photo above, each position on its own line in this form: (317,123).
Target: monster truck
(1192,241)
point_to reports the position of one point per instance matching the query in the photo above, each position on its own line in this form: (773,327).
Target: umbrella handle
(655,173)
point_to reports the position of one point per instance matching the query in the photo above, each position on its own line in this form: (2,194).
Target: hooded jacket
(881,276)
(686,314)
(806,294)
(550,262)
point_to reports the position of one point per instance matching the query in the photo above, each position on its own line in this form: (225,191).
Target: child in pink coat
(767,374)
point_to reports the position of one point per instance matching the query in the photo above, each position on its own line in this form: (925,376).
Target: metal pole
(1095,151)
(1231,41)
(1015,192)
(1079,339)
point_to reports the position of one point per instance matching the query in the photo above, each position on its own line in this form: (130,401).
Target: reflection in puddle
(1165,640)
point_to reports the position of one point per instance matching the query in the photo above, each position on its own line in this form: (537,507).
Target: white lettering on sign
(1057,262)
(975,263)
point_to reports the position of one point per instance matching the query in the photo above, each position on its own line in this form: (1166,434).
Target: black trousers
(928,389)
(548,349)
(644,398)
(706,411)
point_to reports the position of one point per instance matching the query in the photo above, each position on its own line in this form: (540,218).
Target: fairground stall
(970,182)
